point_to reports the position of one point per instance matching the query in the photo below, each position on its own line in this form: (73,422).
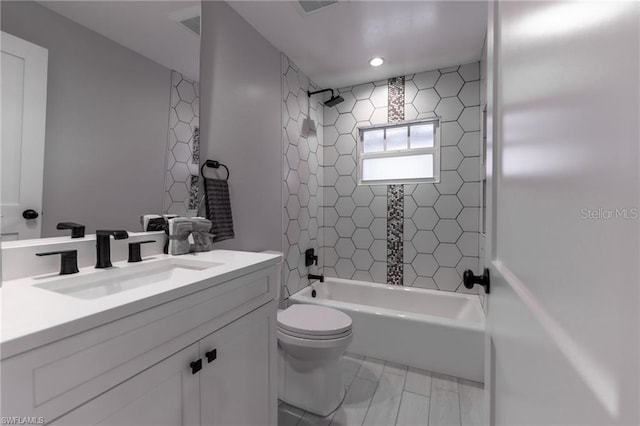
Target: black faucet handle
(117,234)
(134,250)
(68,260)
(77,230)
(310,258)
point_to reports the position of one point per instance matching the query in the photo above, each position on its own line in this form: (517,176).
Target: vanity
(171,340)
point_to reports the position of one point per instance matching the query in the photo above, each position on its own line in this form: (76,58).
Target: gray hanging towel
(219,208)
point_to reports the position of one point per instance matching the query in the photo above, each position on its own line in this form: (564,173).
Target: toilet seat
(311,337)
(311,343)
(314,322)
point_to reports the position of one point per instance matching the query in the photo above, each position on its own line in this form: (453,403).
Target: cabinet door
(239,387)
(163,395)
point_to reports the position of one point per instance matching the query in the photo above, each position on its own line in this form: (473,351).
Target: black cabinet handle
(211,355)
(196,366)
(68,260)
(469,279)
(30,214)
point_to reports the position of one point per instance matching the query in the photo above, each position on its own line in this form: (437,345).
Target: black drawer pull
(212,355)
(196,366)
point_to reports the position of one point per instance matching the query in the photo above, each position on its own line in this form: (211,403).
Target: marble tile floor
(385,394)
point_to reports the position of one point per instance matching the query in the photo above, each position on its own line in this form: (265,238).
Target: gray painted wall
(240,123)
(107,115)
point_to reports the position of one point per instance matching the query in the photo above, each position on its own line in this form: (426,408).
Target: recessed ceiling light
(376,62)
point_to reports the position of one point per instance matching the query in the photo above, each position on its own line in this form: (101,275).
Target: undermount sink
(105,282)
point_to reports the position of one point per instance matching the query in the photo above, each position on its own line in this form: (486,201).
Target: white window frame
(434,150)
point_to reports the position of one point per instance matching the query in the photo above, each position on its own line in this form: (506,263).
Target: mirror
(100,113)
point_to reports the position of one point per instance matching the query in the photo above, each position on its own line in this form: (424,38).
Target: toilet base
(313,386)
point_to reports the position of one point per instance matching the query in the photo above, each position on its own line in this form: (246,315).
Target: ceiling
(149,28)
(333,45)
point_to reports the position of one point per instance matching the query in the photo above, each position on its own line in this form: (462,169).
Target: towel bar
(214,165)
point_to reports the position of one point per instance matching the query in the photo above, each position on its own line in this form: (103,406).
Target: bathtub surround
(422,235)
(302,132)
(441,221)
(183,147)
(240,94)
(395,195)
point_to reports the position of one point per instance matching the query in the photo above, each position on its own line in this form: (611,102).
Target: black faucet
(77,230)
(316,277)
(103,246)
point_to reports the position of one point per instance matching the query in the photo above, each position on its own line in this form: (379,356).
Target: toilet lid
(312,320)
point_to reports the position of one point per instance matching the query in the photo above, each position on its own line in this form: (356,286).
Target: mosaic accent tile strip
(181,179)
(193,192)
(395,232)
(195,147)
(395,196)
(441,221)
(396,99)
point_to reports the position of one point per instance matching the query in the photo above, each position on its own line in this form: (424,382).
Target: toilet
(311,340)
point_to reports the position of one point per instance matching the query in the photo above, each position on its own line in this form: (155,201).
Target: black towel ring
(215,165)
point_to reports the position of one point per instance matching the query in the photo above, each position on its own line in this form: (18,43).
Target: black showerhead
(333,101)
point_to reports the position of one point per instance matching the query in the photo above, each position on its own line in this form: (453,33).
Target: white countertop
(33,316)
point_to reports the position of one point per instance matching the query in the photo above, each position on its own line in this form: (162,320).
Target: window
(407,152)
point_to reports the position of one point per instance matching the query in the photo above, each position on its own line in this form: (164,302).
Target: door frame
(33,123)
(493,114)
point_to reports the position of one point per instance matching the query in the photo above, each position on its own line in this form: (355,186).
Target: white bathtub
(429,329)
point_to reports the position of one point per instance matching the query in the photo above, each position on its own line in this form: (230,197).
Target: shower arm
(320,91)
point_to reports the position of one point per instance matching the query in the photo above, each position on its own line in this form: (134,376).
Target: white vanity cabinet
(166,394)
(157,367)
(237,388)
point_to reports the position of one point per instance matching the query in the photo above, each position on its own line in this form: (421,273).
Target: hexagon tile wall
(181,179)
(441,220)
(302,174)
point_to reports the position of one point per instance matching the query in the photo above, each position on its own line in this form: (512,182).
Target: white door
(24,103)
(563,165)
